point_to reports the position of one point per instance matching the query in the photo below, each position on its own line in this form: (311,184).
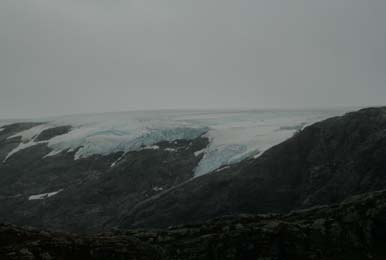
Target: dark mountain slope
(323,164)
(352,230)
(93,190)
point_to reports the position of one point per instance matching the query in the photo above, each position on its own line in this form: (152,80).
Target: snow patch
(198,153)
(170,149)
(52,153)
(28,139)
(44,195)
(116,162)
(20,147)
(257,155)
(32,133)
(158,188)
(152,147)
(223,168)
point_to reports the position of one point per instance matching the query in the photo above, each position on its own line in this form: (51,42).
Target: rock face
(354,230)
(52,132)
(325,163)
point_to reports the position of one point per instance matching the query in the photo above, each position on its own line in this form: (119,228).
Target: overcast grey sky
(76,56)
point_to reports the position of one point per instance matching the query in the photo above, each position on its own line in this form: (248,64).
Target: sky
(82,56)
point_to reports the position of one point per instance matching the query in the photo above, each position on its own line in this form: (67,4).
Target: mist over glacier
(233,135)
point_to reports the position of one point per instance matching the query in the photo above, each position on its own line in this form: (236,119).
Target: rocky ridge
(353,229)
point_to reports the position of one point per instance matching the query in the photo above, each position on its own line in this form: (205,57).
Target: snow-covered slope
(233,135)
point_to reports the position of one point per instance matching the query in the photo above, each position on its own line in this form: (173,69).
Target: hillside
(352,230)
(325,163)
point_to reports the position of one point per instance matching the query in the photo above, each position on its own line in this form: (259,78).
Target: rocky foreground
(353,229)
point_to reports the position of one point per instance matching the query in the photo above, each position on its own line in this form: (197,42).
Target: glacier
(233,135)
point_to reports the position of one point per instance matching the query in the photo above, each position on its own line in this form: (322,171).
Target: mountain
(321,194)
(103,184)
(85,173)
(354,230)
(322,164)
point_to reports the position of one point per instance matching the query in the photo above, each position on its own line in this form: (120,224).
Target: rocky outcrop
(324,163)
(354,229)
(30,244)
(52,132)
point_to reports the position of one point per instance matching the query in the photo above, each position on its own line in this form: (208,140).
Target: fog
(81,56)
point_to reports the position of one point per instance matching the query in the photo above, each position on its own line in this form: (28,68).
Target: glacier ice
(233,135)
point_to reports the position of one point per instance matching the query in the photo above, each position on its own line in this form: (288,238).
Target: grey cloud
(67,56)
